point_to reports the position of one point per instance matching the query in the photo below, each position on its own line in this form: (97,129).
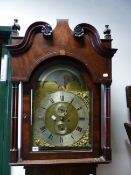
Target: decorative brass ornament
(62,52)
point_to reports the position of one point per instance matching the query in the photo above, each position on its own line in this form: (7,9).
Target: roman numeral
(62,97)
(43,129)
(82,118)
(61,139)
(79,129)
(79,108)
(52,101)
(72,100)
(72,137)
(43,107)
(50,137)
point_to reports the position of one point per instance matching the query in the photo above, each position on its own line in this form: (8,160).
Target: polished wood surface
(61,170)
(89,50)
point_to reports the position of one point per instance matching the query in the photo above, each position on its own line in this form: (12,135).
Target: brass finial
(15,28)
(107,32)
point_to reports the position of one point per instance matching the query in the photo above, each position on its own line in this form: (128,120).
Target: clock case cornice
(41,43)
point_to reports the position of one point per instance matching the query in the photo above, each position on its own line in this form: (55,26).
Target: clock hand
(69,104)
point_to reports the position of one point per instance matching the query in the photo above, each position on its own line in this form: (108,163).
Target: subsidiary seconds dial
(63,118)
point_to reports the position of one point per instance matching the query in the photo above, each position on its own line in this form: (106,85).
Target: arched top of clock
(46,30)
(41,43)
(61,65)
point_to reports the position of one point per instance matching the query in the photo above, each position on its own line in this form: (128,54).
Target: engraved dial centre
(61,118)
(61,109)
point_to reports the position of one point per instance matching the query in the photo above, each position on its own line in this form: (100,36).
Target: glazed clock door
(60,115)
(58,102)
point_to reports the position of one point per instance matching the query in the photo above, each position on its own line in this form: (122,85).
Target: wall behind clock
(97,13)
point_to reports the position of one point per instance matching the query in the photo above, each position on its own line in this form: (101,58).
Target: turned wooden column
(107,122)
(14,123)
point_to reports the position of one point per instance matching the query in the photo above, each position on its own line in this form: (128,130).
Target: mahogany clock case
(84,51)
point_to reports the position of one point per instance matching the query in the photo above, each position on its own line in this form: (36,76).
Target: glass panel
(61,111)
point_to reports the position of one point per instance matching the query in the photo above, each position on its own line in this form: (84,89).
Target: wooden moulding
(34,48)
(14,124)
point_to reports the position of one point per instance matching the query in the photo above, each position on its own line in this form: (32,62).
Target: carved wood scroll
(41,43)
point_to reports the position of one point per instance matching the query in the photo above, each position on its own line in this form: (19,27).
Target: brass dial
(63,118)
(61,110)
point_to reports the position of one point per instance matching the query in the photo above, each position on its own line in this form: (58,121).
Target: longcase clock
(61,99)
